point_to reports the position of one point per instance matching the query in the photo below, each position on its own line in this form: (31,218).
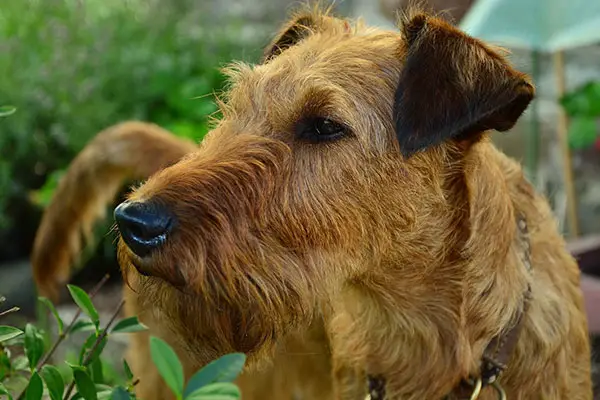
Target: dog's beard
(228,307)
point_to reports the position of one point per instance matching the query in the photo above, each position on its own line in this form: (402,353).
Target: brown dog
(348,224)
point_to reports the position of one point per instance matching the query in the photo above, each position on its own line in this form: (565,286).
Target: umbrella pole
(562,131)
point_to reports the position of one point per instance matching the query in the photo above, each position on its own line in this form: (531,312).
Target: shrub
(74,68)
(26,371)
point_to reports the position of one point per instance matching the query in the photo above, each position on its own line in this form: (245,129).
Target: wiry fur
(367,255)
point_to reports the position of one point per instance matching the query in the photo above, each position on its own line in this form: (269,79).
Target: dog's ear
(293,32)
(299,27)
(453,87)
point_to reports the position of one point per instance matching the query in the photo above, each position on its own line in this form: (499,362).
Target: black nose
(143,225)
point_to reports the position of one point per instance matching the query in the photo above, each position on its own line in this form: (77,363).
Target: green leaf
(219,390)
(99,348)
(83,326)
(17,341)
(84,302)
(127,370)
(120,393)
(224,369)
(54,381)
(34,345)
(85,385)
(96,370)
(9,332)
(128,325)
(583,132)
(5,111)
(168,365)
(5,364)
(52,309)
(4,390)
(35,389)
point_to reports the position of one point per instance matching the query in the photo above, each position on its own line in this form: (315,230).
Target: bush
(26,371)
(74,68)
(582,105)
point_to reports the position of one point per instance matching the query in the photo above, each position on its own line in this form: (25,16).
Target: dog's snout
(143,225)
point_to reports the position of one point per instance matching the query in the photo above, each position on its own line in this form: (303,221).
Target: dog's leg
(131,150)
(151,386)
(300,369)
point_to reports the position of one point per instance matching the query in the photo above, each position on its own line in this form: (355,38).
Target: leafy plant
(35,376)
(582,105)
(77,68)
(212,381)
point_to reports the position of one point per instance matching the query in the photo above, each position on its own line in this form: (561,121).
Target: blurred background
(70,68)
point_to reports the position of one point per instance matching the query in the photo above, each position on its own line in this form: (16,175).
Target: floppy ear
(300,27)
(454,87)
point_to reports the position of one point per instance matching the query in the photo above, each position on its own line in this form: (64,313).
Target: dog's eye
(320,129)
(326,127)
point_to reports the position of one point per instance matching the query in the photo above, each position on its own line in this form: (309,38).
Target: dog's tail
(127,151)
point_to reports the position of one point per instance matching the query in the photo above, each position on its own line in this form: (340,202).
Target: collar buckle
(478,385)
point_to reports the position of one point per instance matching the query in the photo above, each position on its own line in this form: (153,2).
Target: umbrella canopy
(543,25)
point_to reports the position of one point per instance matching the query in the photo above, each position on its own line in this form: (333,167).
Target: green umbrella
(543,25)
(549,26)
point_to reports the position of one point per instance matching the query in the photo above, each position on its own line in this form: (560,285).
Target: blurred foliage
(73,68)
(582,105)
(31,370)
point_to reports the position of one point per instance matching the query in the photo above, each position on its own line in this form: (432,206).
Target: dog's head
(341,154)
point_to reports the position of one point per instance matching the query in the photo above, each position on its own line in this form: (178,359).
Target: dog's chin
(150,268)
(206,327)
(209,317)
(142,266)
